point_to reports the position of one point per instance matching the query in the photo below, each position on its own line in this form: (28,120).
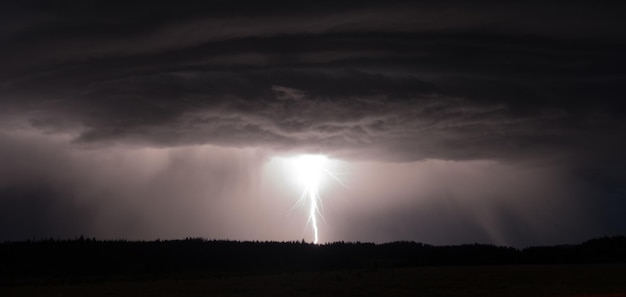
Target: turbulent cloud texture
(412,81)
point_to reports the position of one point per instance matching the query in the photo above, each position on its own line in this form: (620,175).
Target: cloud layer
(406,81)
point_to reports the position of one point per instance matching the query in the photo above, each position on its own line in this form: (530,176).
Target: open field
(532,280)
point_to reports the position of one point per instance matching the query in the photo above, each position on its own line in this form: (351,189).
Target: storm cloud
(521,86)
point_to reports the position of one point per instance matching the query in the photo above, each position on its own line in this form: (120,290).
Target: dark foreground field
(198,267)
(535,280)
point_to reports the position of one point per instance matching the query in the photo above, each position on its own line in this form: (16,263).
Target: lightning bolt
(313,210)
(311,169)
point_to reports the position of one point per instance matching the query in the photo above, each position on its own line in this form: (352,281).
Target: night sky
(448,122)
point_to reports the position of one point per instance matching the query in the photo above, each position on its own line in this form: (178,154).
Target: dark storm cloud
(411,80)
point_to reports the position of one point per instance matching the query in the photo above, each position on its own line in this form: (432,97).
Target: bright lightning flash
(310,171)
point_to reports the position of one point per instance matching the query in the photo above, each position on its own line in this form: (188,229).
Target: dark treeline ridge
(92,260)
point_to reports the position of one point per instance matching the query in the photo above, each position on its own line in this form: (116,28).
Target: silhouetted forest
(86,259)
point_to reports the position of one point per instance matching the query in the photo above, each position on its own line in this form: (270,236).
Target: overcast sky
(448,123)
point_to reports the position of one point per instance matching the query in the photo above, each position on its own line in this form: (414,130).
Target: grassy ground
(570,280)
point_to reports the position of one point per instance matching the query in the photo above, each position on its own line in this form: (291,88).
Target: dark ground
(536,280)
(198,267)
